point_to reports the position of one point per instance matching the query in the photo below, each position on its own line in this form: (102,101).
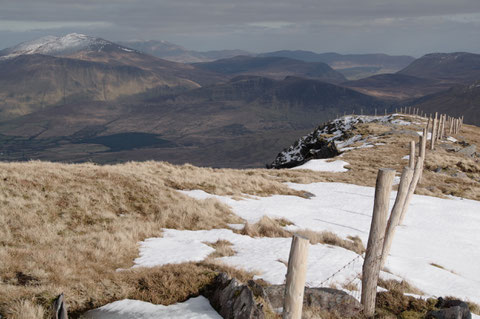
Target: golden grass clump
(223,248)
(325,237)
(402,287)
(25,309)
(265,227)
(268,227)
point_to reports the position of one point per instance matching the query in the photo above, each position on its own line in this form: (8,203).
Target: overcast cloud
(413,27)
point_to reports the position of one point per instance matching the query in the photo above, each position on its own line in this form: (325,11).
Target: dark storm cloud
(407,26)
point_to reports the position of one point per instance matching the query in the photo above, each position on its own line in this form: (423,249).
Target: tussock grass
(268,227)
(402,287)
(223,248)
(265,227)
(351,243)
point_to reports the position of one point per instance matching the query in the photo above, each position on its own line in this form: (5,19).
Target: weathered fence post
(296,276)
(411,160)
(434,132)
(59,308)
(396,213)
(413,185)
(373,255)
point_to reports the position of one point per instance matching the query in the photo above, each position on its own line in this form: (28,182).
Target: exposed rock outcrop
(233,300)
(324,298)
(324,141)
(450,309)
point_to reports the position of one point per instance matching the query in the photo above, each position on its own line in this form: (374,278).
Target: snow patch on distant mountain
(51,45)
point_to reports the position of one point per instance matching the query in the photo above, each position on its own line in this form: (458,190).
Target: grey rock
(460,175)
(469,150)
(438,170)
(325,298)
(451,309)
(233,300)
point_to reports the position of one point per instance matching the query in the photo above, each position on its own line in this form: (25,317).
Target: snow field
(323,165)
(193,308)
(436,231)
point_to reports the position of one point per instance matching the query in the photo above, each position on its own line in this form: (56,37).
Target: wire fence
(352,285)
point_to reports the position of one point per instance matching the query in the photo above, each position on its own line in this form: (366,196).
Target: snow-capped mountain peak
(52,45)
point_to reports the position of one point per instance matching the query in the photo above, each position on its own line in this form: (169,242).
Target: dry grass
(223,248)
(402,287)
(265,227)
(352,243)
(268,227)
(67,228)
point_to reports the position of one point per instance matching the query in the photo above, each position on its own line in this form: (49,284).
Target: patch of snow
(440,231)
(406,157)
(429,135)
(396,180)
(322,165)
(177,252)
(378,144)
(236,226)
(193,308)
(452,139)
(400,122)
(51,44)
(262,255)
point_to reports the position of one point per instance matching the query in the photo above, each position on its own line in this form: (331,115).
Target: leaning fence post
(59,308)
(396,213)
(373,255)
(434,132)
(411,159)
(413,185)
(296,276)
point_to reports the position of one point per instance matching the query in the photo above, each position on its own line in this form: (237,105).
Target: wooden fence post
(423,143)
(373,255)
(411,160)
(413,185)
(296,276)
(434,132)
(59,308)
(397,209)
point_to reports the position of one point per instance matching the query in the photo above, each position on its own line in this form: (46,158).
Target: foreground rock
(450,309)
(233,300)
(327,299)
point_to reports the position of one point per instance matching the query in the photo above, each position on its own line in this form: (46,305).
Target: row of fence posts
(383,226)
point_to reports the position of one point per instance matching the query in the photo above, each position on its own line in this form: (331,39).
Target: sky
(411,27)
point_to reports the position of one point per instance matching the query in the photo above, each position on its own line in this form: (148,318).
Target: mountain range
(80,98)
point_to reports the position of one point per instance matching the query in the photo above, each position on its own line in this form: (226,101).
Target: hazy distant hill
(240,123)
(457,101)
(76,67)
(353,66)
(429,74)
(272,67)
(458,67)
(33,82)
(172,52)
(397,86)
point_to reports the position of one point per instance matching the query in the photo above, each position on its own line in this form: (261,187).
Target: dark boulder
(324,298)
(307,148)
(450,309)
(233,300)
